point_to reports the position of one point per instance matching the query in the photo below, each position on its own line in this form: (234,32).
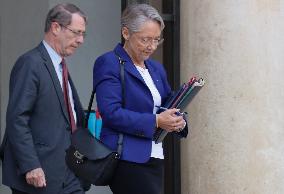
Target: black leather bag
(88,157)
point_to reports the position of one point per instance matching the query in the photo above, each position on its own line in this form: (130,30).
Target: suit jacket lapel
(155,76)
(54,78)
(130,68)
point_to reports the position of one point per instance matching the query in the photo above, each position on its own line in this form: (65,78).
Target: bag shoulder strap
(120,137)
(89,108)
(121,63)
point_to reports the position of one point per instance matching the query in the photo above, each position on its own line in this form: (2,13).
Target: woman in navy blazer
(141,166)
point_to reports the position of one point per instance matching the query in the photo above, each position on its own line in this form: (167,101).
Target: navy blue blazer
(37,123)
(136,120)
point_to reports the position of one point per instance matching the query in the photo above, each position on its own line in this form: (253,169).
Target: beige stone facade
(237,138)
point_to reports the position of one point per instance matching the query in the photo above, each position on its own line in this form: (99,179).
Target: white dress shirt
(157,149)
(56,60)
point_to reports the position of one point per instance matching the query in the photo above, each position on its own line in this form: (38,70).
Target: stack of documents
(179,99)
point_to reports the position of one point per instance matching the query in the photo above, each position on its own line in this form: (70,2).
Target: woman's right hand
(170,121)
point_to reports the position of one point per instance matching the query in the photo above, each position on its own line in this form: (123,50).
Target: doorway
(168,54)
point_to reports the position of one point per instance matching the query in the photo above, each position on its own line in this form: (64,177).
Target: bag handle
(120,137)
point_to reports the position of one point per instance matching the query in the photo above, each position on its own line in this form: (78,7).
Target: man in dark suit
(44,109)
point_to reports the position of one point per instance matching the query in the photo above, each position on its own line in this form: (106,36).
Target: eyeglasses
(76,33)
(146,41)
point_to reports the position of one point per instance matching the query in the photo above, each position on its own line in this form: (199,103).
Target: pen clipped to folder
(177,113)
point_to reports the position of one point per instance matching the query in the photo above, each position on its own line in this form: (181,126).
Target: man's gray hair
(62,14)
(135,15)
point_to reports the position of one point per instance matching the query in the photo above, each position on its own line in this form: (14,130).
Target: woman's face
(140,45)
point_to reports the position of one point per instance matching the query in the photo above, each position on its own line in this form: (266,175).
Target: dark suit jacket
(37,124)
(136,120)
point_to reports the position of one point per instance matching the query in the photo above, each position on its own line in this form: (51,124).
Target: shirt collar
(55,58)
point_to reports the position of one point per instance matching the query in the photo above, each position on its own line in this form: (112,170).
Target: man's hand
(36,177)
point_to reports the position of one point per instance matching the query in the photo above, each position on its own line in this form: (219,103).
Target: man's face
(71,36)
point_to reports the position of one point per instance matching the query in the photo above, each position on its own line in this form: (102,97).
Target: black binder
(179,99)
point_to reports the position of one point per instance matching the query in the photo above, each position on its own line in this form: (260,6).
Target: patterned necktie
(66,95)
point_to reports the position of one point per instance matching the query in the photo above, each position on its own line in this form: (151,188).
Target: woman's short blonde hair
(135,15)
